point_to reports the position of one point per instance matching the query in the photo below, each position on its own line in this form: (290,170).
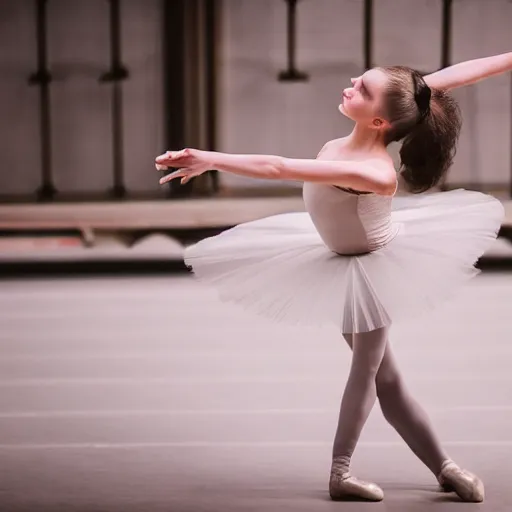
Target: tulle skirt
(280,268)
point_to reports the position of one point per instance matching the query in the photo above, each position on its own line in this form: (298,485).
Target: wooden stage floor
(140,394)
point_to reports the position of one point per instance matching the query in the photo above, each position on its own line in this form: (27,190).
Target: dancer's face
(363,101)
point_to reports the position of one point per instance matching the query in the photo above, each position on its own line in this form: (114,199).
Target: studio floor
(145,394)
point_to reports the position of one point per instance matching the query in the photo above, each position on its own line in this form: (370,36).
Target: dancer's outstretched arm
(469,72)
(370,175)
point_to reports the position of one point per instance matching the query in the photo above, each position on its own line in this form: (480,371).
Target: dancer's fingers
(173,158)
(180,173)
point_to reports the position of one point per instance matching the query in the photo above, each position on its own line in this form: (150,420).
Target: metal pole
(42,78)
(510,152)
(173,66)
(368,34)
(446,34)
(174,55)
(116,74)
(291,74)
(211,43)
(446,41)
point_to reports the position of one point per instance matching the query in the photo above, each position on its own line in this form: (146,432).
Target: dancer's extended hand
(191,163)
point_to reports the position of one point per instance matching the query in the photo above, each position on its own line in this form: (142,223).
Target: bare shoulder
(332,145)
(336,142)
(371,171)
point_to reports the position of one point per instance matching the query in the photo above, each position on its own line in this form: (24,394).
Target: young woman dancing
(359,257)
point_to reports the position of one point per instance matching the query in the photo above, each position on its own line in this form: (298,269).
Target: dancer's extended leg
(412,423)
(405,414)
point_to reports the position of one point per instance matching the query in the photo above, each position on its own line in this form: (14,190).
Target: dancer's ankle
(439,466)
(443,464)
(340,464)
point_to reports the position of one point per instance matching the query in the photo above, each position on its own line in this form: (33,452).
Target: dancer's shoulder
(332,145)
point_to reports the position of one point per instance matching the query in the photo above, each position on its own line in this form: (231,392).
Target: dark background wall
(254,112)
(78,50)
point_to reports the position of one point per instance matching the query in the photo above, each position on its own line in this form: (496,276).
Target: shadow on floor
(53,269)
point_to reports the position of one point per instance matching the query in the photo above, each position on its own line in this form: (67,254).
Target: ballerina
(359,257)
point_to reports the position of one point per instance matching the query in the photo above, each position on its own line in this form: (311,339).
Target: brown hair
(428,121)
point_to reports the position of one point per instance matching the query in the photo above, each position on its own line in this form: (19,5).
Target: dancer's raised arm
(469,72)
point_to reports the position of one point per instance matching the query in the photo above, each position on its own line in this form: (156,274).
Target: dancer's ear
(380,123)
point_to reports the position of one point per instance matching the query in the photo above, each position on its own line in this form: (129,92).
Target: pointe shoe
(467,485)
(346,486)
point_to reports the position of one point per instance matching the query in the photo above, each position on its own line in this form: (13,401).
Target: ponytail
(427,121)
(428,150)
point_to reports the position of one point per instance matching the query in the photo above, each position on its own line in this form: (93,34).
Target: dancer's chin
(342,110)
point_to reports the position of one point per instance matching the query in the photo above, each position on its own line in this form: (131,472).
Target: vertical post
(190,46)
(211,43)
(446,34)
(115,75)
(368,34)
(446,43)
(173,65)
(291,74)
(42,78)
(510,152)
(174,55)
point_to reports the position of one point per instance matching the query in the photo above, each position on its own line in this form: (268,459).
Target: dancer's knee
(389,383)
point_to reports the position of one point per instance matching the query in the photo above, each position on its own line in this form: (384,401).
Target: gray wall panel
(78,47)
(482,29)
(408,33)
(20,169)
(261,115)
(256,113)
(143,93)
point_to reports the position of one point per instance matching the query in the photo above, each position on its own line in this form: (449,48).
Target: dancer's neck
(363,138)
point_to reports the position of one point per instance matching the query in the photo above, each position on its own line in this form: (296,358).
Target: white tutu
(279,266)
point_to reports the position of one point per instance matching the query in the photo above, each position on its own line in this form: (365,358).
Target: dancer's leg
(357,402)
(360,392)
(411,422)
(405,414)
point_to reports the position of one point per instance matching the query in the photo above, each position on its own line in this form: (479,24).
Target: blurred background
(123,391)
(93,90)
